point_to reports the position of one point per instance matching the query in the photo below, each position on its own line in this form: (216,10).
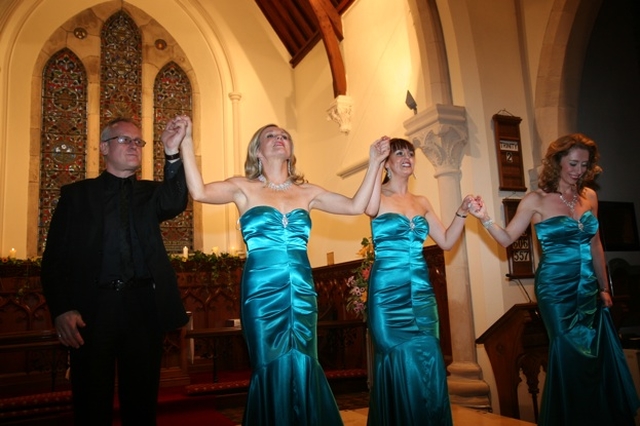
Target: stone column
(441,134)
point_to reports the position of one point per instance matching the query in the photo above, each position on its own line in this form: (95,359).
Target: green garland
(220,266)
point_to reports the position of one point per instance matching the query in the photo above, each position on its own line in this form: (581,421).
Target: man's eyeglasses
(126,140)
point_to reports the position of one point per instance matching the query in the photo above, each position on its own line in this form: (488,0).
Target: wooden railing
(32,360)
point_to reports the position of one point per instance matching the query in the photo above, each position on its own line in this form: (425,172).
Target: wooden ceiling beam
(330,27)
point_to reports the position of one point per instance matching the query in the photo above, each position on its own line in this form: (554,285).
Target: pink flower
(365,273)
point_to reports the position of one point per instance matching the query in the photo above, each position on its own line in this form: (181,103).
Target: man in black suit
(107,278)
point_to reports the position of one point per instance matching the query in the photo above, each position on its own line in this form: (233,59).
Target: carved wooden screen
(172,96)
(63,138)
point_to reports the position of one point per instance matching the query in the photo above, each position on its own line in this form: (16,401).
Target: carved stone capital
(340,111)
(440,132)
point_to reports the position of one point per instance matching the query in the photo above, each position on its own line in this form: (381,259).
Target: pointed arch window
(63,134)
(64,150)
(120,69)
(172,95)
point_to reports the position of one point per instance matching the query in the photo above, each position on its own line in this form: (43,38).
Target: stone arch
(557,84)
(433,54)
(85,46)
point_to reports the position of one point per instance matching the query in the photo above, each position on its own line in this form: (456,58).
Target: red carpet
(175,407)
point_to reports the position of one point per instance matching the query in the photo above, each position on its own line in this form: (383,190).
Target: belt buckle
(118,285)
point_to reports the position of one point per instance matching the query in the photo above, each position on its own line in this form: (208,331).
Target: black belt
(118,285)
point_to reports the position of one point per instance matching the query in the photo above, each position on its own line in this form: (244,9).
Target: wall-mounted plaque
(509,150)
(520,253)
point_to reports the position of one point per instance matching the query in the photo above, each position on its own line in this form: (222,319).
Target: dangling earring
(259,167)
(388,170)
(289,167)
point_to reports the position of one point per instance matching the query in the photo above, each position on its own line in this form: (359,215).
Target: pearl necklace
(275,187)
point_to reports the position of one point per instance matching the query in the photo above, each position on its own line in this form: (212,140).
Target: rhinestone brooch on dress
(275,187)
(285,221)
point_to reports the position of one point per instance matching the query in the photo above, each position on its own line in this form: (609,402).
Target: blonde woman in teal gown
(587,379)
(278,297)
(409,374)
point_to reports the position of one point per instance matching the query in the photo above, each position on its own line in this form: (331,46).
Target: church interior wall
(494,53)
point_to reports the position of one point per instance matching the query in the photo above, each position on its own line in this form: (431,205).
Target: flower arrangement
(358,283)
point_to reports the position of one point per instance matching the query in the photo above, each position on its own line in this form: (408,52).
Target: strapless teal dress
(409,374)
(279,318)
(588,381)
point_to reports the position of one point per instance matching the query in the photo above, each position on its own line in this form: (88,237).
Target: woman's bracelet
(463,216)
(487,223)
(605,290)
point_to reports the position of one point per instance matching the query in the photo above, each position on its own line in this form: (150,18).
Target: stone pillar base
(466,387)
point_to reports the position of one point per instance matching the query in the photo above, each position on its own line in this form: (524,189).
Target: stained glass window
(64,115)
(171,96)
(120,69)
(63,132)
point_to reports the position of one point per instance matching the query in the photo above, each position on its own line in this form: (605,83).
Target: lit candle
(215,250)
(12,253)
(234,251)
(185,252)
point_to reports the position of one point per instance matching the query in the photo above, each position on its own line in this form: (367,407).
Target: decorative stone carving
(440,132)
(340,111)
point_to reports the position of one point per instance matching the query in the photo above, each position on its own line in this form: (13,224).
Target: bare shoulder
(592,199)
(589,194)
(532,205)
(422,201)
(312,189)
(238,180)
(534,199)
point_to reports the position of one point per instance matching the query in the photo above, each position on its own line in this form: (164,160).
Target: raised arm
(446,238)
(374,202)
(516,227)
(221,192)
(339,204)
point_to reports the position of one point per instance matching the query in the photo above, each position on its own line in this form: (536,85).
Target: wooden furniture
(32,360)
(45,343)
(516,342)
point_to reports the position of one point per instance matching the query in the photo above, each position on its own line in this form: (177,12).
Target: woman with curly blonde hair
(588,381)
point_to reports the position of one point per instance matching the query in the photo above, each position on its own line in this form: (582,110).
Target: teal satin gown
(588,381)
(279,318)
(409,374)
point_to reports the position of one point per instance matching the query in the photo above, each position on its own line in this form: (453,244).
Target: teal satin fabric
(588,381)
(279,319)
(409,374)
